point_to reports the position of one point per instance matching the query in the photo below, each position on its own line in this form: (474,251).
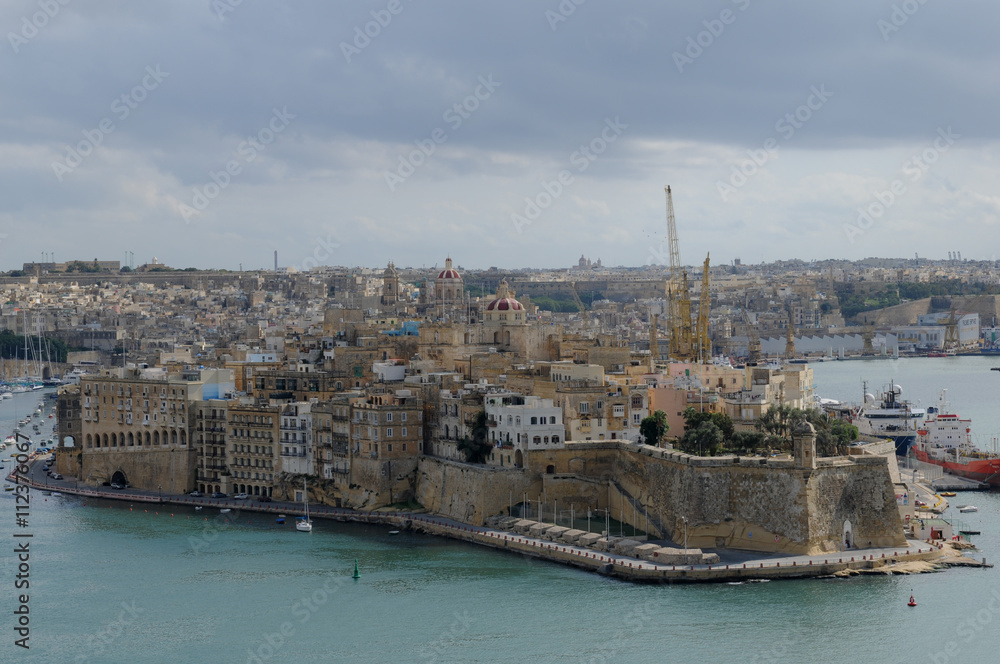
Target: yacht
(889,417)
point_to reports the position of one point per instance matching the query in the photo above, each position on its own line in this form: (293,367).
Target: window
(388,417)
(402,432)
(584,407)
(402,417)
(534,420)
(388,432)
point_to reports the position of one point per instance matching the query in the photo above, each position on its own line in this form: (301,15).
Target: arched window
(173,437)
(90,442)
(552,419)
(114,440)
(537,440)
(534,420)
(156,438)
(183,437)
(546,440)
(105,440)
(555,439)
(131,439)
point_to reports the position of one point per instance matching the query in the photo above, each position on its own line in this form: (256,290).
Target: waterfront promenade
(733,566)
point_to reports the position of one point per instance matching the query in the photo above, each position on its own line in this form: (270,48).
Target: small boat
(912,601)
(948,494)
(280,519)
(969,532)
(46,493)
(303,523)
(994,368)
(225,510)
(197,508)
(393,532)
(968,508)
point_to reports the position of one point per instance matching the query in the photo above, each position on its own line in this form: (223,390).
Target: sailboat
(303,523)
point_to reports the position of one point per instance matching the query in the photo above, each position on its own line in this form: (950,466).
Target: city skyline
(513,136)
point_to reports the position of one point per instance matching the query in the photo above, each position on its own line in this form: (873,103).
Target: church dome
(449,272)
(504,304)
(504,300)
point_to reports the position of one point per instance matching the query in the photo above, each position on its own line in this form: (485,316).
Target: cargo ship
(945,439)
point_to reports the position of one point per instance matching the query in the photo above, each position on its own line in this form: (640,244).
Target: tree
(477,446)
(653,428)
(693,419)
(747,442)
(706,438)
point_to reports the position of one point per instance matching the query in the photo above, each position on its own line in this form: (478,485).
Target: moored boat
(889,417)
(945,440)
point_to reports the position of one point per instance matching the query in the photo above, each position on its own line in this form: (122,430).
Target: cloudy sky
(211,133)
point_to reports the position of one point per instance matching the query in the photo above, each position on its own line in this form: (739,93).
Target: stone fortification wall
(740,502)
(371,484)
(470,493)
(172,469)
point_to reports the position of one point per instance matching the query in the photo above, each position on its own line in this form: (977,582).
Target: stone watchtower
(804,446)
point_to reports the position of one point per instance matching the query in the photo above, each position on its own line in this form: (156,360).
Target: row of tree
(714,433)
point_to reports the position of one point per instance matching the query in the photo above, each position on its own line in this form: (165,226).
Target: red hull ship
(945,440)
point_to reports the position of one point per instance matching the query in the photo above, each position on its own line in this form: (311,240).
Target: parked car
(218,494)
(264,499)
(196,494)
(117,487)
(240,496)
(56,476)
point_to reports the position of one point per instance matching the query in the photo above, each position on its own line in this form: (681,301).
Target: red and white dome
(449,272)
(504,304)
(505,308)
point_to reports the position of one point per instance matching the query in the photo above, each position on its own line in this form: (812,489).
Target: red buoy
(912,601)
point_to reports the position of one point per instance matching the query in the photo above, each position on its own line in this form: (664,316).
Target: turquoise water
(110,585)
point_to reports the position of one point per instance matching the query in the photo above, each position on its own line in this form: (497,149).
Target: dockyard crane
(754,352)
(790,336)
(684,342)
(704,307)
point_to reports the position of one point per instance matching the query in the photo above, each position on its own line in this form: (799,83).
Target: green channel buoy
(357,574)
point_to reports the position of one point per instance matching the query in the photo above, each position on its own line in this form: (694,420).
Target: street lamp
(685,520)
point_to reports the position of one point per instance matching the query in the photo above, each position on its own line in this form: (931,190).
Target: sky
(211,133)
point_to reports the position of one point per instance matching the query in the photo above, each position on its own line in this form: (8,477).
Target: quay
(917,556)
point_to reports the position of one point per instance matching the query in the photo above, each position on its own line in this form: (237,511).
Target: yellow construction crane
(683,341)
(704,307)
(754,352)
(790,336)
